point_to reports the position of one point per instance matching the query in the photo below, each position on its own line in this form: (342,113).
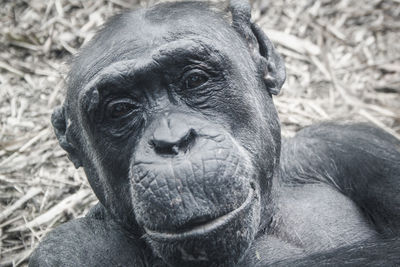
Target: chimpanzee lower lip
(204,228)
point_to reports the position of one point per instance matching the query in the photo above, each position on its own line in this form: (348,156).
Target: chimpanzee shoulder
(93,239)
(359,160)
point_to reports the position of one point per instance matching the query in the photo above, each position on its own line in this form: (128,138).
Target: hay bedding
(342,58)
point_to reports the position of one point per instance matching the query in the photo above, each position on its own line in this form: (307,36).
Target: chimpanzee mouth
(205,224)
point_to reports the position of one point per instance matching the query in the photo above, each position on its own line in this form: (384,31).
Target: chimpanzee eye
(118,109)
(195,78)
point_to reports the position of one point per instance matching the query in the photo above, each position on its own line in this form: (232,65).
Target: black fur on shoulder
(367,253)
(361,161)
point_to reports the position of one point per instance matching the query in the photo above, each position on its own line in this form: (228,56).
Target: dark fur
(182,157)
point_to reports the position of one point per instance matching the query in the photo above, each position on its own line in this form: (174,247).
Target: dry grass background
(342,58)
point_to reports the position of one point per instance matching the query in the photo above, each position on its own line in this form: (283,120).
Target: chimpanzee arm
(361,161)
(383,252)
(89,241)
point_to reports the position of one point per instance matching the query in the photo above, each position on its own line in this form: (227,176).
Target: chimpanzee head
(169,111)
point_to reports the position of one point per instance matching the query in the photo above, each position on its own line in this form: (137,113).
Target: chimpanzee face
(176,130)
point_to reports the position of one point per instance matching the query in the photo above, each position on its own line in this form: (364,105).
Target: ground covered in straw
(342,59)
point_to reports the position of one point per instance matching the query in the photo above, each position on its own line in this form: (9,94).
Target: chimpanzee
(169,111)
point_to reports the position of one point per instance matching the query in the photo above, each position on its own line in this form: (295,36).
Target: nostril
(187,141)
(165,146)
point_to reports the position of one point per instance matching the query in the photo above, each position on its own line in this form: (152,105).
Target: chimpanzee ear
(269,62)
(62,130)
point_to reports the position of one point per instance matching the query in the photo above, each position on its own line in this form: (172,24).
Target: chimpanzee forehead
(139,33)
(171,21)
(181,12)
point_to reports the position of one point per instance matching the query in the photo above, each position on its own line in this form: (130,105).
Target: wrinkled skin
(169,111)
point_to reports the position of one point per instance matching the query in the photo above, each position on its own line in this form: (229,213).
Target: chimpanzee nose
(172,136)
